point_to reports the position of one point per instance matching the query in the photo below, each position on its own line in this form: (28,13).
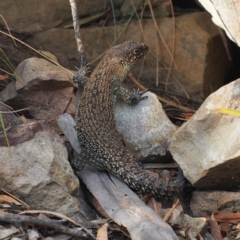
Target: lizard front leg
(79,77)
(131,97)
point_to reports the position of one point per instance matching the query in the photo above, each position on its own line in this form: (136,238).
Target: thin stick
(16,219)
(186,109)
(18,40)
(173,46)
(76,24)
(167,216)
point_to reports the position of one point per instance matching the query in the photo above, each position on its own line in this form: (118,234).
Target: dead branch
(76,25)
(186,109)
(23,219)
(80,47)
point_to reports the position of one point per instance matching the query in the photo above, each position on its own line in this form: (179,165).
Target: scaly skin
(95,124)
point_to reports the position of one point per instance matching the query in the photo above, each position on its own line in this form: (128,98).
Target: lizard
(101,143)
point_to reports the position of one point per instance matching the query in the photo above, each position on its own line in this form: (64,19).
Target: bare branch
(23,219)
(77,33)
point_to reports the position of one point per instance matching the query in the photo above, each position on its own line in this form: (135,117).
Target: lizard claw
(139,94)
(80,76)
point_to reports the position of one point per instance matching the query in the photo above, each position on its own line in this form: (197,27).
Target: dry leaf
(188,115)
(215,230)
(4,77)
(227,217)
(156,206)
(102,233)
(8,199)
(6,232)
(13,197)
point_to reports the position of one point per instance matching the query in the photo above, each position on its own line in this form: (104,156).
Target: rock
(160,8)
(204,203)
(183,221)
(32,234)
(6,232)
(145,127)
(42,87)
(36,170)
(224,15)
(196,47)
(207,147)
(45,15)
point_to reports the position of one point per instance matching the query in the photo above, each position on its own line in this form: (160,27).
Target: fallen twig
(167,216)
(80,47)
(23,219)
(186,109)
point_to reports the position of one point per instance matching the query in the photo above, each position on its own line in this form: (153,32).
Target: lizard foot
(80,161)
(79,77)
(136,96)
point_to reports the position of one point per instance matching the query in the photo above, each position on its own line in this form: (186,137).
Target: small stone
(32,234)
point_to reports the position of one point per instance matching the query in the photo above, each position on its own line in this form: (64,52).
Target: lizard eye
(136,51)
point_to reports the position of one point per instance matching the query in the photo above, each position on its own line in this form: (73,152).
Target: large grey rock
(207,147)
(35,169)
(42,87)
(145,127)
(195,57)
(24,16)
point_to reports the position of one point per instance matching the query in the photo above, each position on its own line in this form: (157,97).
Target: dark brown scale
(96,128)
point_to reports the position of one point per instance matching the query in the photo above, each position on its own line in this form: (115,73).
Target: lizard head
(124,56)
(131,52)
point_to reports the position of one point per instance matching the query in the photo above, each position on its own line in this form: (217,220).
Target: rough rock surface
(195,40)
(207,147)
(203,203)
(145,127)
(25,17)
(42,87)
(35,168)
(225,14)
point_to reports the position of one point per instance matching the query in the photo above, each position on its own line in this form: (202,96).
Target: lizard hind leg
(89,157)
(80,161)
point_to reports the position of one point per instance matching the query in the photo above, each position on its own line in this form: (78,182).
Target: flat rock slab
(207,147)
